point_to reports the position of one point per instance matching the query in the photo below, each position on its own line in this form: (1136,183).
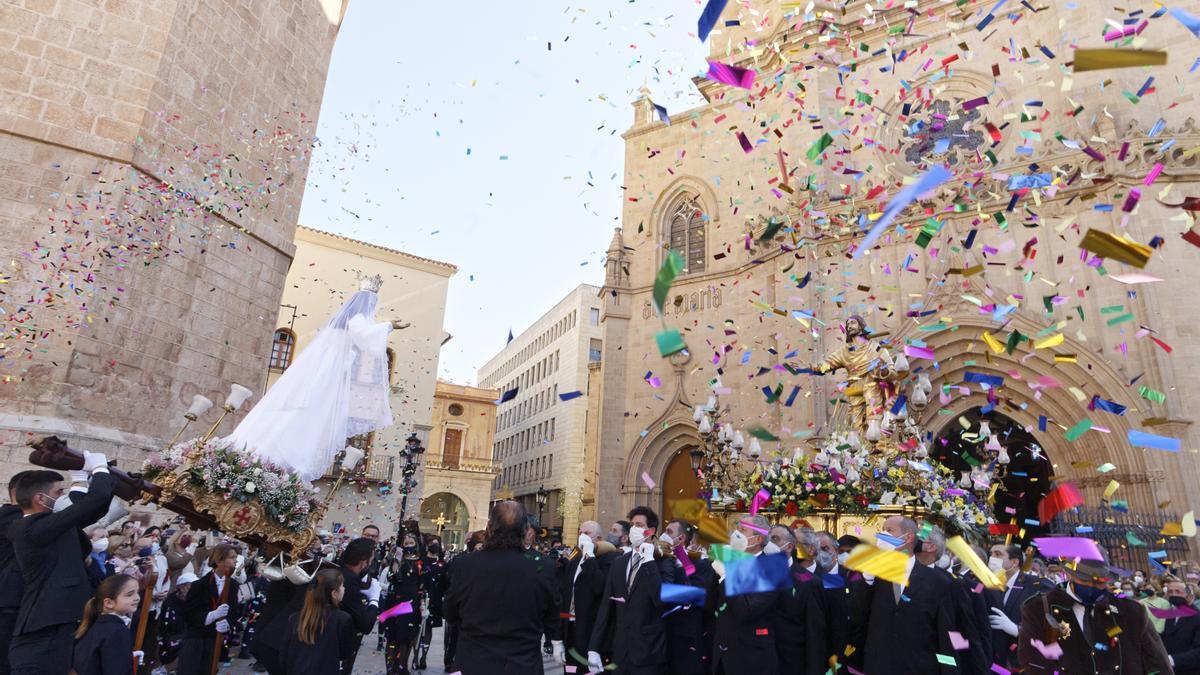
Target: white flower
(249,488)
(257,470)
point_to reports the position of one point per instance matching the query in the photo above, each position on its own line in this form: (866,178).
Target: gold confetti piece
(888,565)
(1065,358)
(1104,59)
(1052,341)
(1108,245)
(1112,487)
(996,345)
(959,547)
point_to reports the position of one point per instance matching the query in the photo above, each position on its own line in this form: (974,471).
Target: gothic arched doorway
(1022,482)
(446,515)
(678,482)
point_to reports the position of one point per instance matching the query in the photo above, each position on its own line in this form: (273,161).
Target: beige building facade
(539,435)
(459,466)
(754,310)
(153,156)
(323,276)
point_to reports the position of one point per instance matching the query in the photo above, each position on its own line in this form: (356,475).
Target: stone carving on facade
(945,133)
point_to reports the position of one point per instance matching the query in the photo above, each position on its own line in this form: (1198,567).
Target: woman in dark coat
(320,637)
(208,612)
(405,577)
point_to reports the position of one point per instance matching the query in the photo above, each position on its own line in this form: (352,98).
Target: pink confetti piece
(919,352)
(761,498)
(648,480)
(1000,670)
(958,641)
(681,555)
(761,530)
(1153,175)
(1068,547)
(1173,613)
(402,608)
(1051,651)
(731,75)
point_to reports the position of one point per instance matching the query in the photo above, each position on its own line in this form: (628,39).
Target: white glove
(140,656)
(1000,621)
(646,550)
(222,626)
(372,592)
(218,613)
(595,663)
(94,461)
(869,578)
(587,546)
(80,477)
(560,654)
(719,568)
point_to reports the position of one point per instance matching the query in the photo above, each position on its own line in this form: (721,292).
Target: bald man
(583,588)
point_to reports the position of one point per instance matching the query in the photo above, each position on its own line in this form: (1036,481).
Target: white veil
(336,388)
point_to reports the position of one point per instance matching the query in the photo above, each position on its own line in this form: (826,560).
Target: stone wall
(153,161)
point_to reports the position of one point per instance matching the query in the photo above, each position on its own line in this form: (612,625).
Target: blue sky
(488,135)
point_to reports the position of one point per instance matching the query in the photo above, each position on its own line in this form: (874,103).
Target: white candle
(237,396)
(200,405)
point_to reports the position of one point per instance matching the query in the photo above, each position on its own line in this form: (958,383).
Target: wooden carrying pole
(220,638)
(147,600)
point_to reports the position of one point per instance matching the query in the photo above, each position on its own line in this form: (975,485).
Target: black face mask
(1177,601)
(410,549)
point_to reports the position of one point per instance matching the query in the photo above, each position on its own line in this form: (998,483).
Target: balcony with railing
(470,464)
(373,469)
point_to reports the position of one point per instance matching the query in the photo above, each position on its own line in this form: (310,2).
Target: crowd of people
(83,590)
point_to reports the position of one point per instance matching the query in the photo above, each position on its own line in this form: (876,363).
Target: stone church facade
(153,155)
(750,309)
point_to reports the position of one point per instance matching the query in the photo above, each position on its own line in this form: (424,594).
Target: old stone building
(153,155)
(459,465)
(323,276)
(836,123)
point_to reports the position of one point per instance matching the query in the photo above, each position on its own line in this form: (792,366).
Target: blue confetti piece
(708,18)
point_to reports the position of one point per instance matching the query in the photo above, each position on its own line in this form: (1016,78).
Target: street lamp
(541,501)
(412,456)
(696,455)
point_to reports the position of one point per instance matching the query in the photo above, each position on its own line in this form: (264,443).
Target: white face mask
(100,545)
(62,503)
(995,564)
(738,541)
(885,545)
(636,536)
(1137,579)
(771,548)
(666,539)
(943,562)
(843,557)
(584,540)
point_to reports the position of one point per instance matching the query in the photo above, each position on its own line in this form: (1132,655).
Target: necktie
(635,561)
(897,590)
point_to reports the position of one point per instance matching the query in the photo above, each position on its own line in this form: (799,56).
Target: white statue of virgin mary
(336,388)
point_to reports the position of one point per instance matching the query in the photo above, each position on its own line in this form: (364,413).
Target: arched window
(686,231)
(282,347)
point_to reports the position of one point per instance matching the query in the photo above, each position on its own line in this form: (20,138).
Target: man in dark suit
(1094,631)
(744,625)
(360,599)
(971,608)
(800,622)
(11,586)
(838,582)
(908,625)
(583,588)
(687,653)
(1004,606)
(504,600)
(1181,635)
(632,605)
(50,548)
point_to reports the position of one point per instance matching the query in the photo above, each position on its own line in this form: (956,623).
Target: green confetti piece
(1106,467)
(773,226)
(1112,309)
(817,148)
(1133,541)
(761,433)
(946,660)
(1152,395)
(1078,430)
(1120,319)
(669,342)
(671,267)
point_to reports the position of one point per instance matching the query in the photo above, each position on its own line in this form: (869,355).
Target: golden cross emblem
(441,521)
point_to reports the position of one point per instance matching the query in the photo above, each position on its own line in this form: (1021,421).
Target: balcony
(374,469)
(469,464)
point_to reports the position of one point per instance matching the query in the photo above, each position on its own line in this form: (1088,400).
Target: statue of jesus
(870,374)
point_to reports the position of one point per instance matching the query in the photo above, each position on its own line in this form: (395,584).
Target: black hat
(849,540)
(1092,571)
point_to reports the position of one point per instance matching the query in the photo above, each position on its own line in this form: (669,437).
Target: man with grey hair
(583,586)
(800,620)
(838,582)
(908,620)
(744,626)
(971,607)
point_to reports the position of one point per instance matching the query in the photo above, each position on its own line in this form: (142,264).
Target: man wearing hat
(1082,628)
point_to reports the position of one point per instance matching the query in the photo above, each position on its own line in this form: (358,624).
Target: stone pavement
(370,662)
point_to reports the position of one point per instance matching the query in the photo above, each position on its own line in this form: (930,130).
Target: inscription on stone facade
(680,304)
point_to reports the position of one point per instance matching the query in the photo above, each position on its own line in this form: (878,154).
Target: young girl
(104,643)
(320,636)
(209,610)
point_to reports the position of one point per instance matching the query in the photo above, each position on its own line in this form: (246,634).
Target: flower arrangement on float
(219,468)
(850,477)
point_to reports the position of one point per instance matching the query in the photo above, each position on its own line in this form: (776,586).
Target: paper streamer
(1068,547)
(1141,439)
(960,548)
(932,178)
(760,499)
(1063,497)
(402,608)
(686,562)
(887,565)
(919,352)
(680,594)
(708,18)
(731,75)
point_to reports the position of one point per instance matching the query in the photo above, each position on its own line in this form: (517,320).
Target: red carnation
(793,508)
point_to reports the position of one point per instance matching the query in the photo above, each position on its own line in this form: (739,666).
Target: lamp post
(412,456)
(541,501)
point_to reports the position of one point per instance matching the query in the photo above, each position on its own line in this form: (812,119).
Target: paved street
(370,662)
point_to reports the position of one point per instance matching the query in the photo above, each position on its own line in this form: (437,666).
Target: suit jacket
(905,637)
(504,601)
(973,613)
(1133,649)
(11,586)
(587,592)
(1181,639)
(203,598)
(801,625)
(355,604)
(1004,646)
(50,548)
(106,649)
(744,631)
(687,651)
(837,611)
(634,609)
(333,646)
